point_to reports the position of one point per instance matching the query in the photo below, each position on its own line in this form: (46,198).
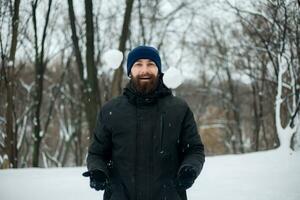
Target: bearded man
(146,144)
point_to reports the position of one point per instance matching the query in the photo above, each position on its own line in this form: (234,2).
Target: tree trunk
(261,105)
(11,128)
(236,110)
(118,75)
(89,87)
(40,68)
(93,102)
(256,119)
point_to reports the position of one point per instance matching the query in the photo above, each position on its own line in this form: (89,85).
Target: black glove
(98,179)
(186,177)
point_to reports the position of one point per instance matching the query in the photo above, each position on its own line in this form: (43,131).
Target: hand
(186,177)
(98,179)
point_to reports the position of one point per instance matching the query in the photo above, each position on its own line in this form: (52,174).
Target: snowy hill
(269,175)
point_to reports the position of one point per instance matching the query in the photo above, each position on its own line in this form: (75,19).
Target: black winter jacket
(141,143)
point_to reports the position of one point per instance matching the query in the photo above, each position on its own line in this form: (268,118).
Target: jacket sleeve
(192,147)
(99,152)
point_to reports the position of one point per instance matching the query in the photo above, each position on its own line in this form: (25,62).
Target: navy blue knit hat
(143,52)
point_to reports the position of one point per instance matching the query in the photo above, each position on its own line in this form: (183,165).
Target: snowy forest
(239,62)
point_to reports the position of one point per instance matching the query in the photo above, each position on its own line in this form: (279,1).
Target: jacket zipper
(162,119)
(135,159)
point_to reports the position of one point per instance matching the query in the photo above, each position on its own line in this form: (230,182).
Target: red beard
(145,84)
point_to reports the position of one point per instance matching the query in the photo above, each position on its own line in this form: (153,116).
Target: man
(146,145)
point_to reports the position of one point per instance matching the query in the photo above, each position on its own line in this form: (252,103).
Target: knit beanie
(143,52)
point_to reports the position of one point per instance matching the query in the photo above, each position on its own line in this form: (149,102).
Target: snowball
(10,63)
(172,78)
(113,58)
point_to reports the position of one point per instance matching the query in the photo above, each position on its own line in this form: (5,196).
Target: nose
(144,68)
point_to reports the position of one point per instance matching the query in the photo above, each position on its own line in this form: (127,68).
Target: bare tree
(118,75)
(40,68)
(277,33)
(224,55)
(9,76)
(89,86)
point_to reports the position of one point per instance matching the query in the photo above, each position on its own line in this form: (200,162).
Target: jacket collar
(136,98)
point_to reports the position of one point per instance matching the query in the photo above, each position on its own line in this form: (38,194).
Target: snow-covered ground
(269,175)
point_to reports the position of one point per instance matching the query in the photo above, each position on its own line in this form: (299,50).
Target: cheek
(134,72)
(155,71)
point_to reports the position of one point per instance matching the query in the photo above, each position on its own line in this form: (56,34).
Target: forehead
(144,60)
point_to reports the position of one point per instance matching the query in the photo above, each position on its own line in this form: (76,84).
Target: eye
(151,64)
(138,64)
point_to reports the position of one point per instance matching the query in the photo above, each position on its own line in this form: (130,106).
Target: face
(144,73)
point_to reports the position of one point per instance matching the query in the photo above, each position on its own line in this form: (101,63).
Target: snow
(22,132)
(260,176)
(172,78)
(284,133)
(2,120)
(5,157)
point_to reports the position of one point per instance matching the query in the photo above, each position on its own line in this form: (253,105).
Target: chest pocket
(169,133)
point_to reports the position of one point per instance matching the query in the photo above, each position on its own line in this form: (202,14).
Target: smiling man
(146,145)
(144,75)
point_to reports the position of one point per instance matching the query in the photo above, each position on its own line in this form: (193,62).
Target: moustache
(146,76)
